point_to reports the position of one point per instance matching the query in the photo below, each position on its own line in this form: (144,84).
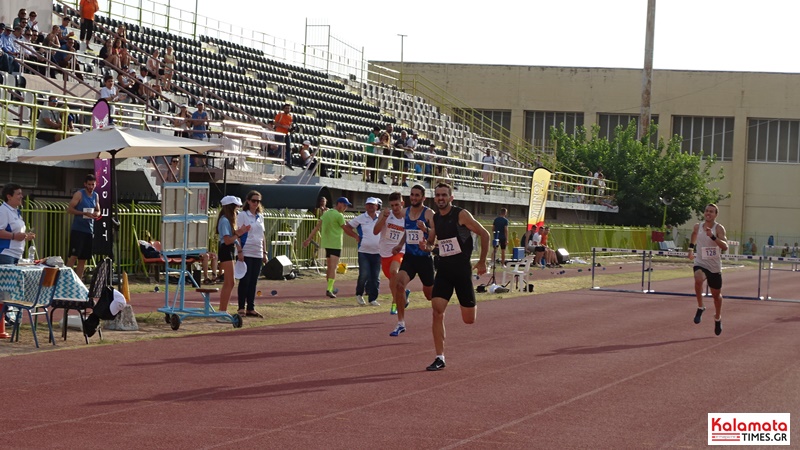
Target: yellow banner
(539,184)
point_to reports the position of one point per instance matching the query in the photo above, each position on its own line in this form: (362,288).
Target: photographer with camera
(284,125)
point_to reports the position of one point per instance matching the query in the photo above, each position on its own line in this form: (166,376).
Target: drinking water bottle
(32,252)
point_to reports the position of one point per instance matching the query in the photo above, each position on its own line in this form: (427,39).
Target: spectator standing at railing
(408,154)
(88,10)
(384,147)
(199,122)
(181,121)
(372,140)
(283,124)
(489,162)
(169,68)
(430,156)
(397,157)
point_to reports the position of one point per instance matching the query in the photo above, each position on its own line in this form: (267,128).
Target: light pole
(666,201)
(402,42)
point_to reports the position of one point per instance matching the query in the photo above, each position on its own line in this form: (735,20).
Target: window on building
(609,122)
(705,136)
(773,140)
(538,123)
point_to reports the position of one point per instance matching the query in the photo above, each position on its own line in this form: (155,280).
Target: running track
(580,369)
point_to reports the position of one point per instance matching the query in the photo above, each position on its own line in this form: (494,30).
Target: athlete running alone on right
(708,238)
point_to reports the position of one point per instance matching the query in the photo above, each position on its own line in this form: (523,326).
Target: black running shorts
(455,275)
(415,265)
(714,279)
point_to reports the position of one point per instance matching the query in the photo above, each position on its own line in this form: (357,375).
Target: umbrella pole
(115,219)
(225,176)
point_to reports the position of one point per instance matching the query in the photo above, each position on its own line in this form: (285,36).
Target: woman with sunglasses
(253,253)
(229,237)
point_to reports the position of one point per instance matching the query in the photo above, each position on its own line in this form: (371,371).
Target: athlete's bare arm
(466,219)
(693,241)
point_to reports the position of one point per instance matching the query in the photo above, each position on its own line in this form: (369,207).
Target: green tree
(643,172)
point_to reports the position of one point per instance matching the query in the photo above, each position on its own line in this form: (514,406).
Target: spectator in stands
(283,124)
(169,68)
(489,162)
(384,147)
(49,120)
(109,93)
(181,122)
(33,23)
(146,87)
(601,188)
(22,14)
(10,143)
(442,174)
(107,54)
(200,122)
(88,9)
(127,79)
(272,150)
(121,52)
(53,39)
(408,154)
(307,155)
(172,173)
(372,139)
(153,66)
(65,58)
(64,32)
(397,156)
(10,50)
(430,157)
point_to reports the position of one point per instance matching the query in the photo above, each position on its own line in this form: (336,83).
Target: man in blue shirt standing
(85,206)
(500,232)
(199,122)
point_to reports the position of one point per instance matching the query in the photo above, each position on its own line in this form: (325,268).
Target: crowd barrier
(647,260)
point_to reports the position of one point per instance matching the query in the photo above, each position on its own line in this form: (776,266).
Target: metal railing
(20,108)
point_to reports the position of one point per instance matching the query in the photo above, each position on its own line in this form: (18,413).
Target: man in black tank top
(453,226)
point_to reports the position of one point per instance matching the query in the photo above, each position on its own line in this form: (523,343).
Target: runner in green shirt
(332,223)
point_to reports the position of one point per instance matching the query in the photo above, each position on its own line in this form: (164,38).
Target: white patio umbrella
(118,142)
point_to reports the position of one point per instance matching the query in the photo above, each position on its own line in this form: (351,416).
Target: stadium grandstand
(243,85)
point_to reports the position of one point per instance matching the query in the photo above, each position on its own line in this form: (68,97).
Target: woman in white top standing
(254,252)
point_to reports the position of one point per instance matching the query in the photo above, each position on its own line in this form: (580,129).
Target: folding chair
(100,279)
(44,295)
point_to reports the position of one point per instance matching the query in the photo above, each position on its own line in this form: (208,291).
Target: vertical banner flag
(539,184)
(103,237)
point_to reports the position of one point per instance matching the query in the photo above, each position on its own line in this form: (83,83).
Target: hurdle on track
(770,267)
(647,264)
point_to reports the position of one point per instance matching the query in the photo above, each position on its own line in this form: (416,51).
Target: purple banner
(103,235)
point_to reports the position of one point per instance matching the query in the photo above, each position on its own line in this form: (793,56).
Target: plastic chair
(44,296)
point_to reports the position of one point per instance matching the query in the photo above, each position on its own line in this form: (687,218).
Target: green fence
(49,221)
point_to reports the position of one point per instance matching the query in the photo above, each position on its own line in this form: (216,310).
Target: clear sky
(689,34)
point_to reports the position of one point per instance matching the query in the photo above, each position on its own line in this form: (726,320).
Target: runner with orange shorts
(391,227)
